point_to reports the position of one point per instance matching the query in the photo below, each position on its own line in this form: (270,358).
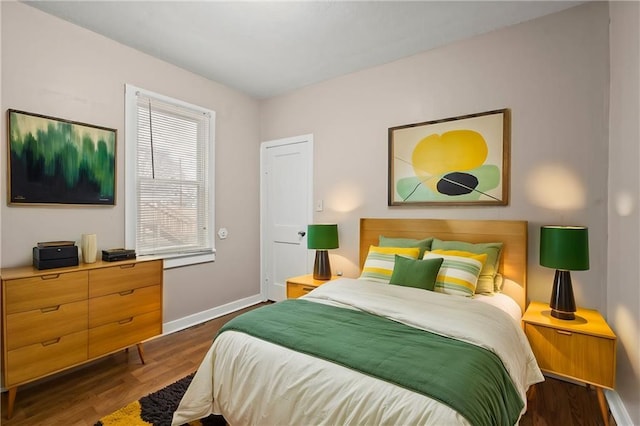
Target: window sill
(177,261)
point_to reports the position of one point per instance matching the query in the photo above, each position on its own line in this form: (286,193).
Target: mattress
(252,381)
(502,302)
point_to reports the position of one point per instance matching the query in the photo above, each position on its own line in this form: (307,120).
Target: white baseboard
(618,410)
(200,317)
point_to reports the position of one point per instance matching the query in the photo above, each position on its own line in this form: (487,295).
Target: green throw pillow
(423,245)
(486,280)
(415,273)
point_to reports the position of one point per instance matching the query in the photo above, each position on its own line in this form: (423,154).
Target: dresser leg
(140,352)
(11,399)
(604,408)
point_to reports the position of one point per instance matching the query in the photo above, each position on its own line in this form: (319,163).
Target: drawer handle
(50,277)
(126,293)
(308,289)
(51,342)
(125,321)
(566,333)
(130,265)
(50,309)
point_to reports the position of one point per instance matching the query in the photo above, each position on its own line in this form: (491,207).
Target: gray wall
(55,68)
(552,72)
(623,296)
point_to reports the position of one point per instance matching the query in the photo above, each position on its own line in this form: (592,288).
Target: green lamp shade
(322,237)
(564,247)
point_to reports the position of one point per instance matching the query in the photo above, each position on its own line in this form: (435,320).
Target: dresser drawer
(124,277)
(117,335)
(33,361)
(41,325)
(580,356)
(125,304)
(45,291)
(295,290)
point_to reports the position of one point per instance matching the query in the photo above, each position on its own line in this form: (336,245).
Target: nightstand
(299,286)
(583,349)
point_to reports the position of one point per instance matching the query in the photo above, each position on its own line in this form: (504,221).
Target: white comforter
(253,382)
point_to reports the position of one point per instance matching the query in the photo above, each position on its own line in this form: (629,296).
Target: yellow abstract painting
(460,160)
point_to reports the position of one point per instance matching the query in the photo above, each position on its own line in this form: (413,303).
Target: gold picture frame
(455,161)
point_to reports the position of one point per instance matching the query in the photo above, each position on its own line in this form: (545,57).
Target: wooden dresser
(59,318)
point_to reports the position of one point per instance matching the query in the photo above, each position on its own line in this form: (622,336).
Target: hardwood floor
(82,396)
(556,402)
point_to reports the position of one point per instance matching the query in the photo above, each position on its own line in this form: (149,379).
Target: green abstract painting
(56,161)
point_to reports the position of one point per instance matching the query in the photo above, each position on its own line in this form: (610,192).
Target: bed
(360,351)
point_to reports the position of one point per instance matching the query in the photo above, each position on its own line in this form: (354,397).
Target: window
(169,147)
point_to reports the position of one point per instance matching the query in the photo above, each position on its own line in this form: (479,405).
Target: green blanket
(467,378)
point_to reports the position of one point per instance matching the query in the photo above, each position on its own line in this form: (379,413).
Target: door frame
(264,146)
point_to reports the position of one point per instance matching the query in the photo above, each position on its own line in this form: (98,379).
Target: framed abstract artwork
(454,161)
(57,161)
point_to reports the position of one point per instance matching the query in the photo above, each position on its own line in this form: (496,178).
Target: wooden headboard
(512,233)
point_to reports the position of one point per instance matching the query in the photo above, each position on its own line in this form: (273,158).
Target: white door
(286,209)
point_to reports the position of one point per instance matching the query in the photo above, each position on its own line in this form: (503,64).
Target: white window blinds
(173,192)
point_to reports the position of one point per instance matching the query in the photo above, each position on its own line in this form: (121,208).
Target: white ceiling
(268,48)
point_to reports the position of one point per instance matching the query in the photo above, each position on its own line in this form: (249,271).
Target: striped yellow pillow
(492,250)
(380,262)
(458,274)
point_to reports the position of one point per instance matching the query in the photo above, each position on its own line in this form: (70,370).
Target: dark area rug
(157,409)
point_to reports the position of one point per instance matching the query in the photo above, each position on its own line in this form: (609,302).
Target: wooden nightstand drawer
(124,277)
(575,355)
(26,328)
(36,360)
(299,286)
(298,290)
(123,305)
(44,291)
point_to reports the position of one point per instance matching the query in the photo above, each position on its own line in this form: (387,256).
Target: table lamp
(322,238)
(565,248)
